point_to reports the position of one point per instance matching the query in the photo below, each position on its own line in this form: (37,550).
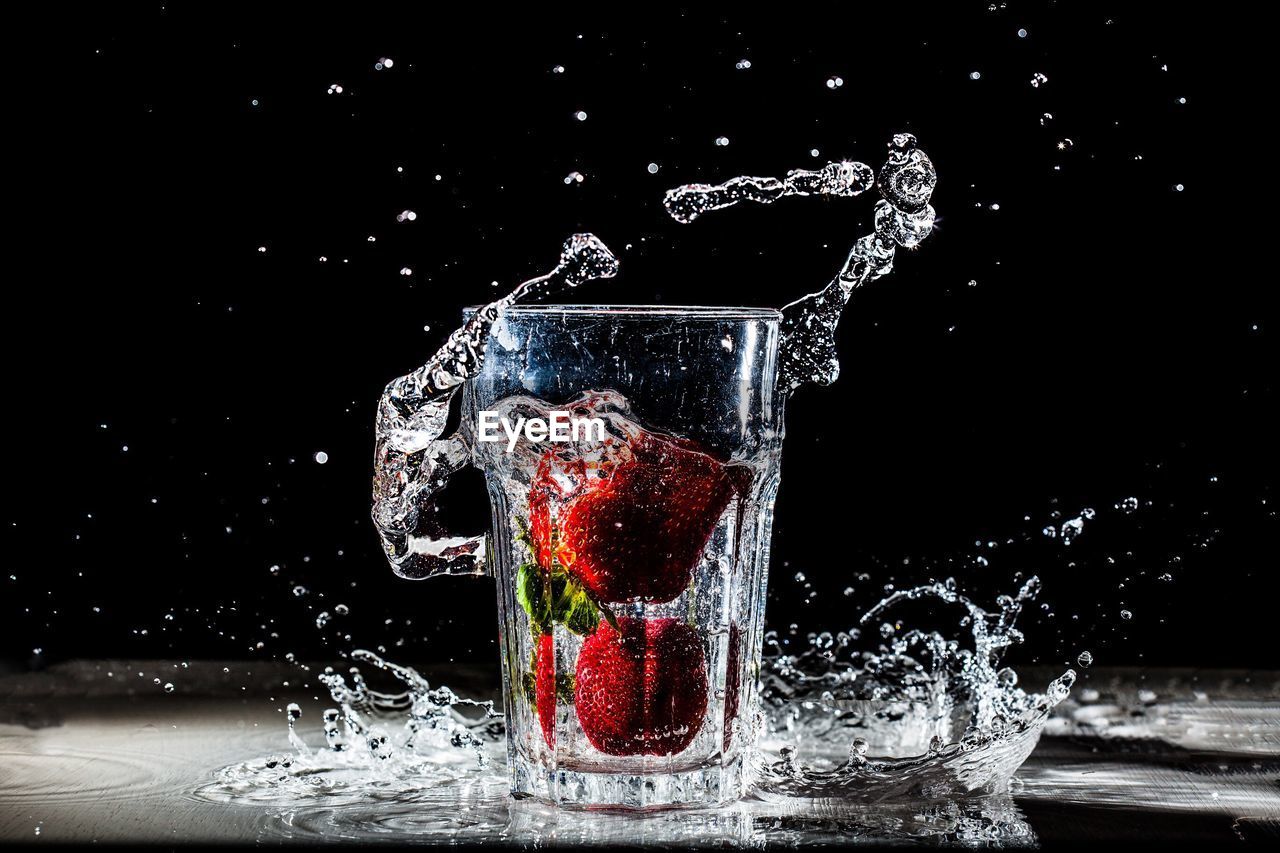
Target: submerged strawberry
(544,673)
(641,689)
(545,689)
(633,527)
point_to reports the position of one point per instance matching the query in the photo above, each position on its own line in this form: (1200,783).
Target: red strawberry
(633,527)
(544,687)
(641,689)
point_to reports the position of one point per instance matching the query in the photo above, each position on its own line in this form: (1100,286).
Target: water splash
(919,717)
(380,745)
(923,716)
(412,462)
(903,217)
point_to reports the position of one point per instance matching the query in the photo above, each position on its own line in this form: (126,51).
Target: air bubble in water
(975,75)
(1085,658)
(1126,615)
(722,141)
(653,168)
(1038,80)
(168,687)
(835,82)
(574,178)
(742,64)
(322,618)
(406,271)
(342,610)
(321,457)
(580,115)
(1022,33)
(406,216)
(335,89)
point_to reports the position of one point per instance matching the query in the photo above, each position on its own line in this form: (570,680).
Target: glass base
(704,786)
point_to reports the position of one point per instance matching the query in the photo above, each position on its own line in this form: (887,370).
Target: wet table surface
(1144,756)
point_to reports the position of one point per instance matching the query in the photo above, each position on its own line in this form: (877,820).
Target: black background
(1098,335)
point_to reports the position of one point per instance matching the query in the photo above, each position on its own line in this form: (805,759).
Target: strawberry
(544,688)
(633,526)
(641,688)
(544,673)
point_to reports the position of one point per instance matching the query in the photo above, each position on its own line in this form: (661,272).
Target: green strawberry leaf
(532,595)
(555,597)
(580,615)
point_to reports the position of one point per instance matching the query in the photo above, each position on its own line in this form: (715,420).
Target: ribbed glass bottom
(706,786)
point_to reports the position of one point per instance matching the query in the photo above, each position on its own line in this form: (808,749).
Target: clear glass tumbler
(629,543)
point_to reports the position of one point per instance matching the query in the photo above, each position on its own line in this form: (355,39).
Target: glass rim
(692,312)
